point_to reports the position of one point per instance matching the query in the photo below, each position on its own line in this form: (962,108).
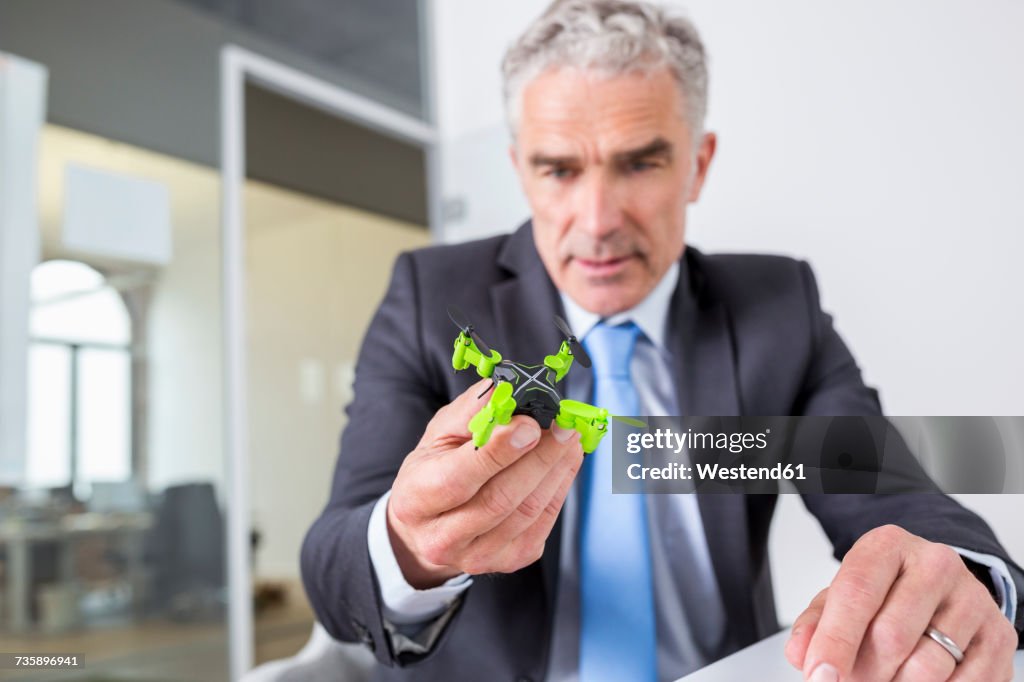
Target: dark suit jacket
(748,337)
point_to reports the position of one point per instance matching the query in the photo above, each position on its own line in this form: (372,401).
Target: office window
(49,416)
(79,409)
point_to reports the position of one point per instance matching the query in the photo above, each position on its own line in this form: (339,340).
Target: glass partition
(112,544)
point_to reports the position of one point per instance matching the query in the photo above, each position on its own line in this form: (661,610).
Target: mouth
(603,267)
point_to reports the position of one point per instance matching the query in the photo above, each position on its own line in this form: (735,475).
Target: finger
(537,503)
(532,541)
(508,489)
(802,630)
(989,656)
(928,662)
(927,582)
(452,420)
(854,597)
(448,479)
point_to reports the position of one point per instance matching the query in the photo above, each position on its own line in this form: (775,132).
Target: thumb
(803,630)
(453,418)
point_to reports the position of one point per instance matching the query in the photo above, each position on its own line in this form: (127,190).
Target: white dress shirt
(690,618)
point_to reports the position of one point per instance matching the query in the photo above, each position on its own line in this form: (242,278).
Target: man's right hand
(455,509)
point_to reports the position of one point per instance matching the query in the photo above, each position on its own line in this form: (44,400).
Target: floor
(162,651)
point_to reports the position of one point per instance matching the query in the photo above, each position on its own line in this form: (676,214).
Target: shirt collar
(650,314)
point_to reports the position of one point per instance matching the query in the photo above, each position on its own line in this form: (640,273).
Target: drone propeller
(629,420)
(577,348)
(462,322)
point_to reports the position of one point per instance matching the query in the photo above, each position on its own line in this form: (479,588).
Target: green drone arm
(591,422)
(561,362)
(466,353)
(498,410)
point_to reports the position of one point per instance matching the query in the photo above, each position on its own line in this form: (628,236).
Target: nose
(598,206)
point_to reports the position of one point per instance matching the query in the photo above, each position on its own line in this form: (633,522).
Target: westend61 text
(716,472)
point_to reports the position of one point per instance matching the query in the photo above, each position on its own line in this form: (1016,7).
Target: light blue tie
(617,631)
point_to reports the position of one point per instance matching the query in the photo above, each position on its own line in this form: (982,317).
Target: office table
(765,662)
(19,536)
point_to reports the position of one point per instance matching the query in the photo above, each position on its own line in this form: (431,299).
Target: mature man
(502,563)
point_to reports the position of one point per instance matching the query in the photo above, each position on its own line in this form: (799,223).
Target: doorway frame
(237,67)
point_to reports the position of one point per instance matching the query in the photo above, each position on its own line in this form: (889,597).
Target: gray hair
(613,37)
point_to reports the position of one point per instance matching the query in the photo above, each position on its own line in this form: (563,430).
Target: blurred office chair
(187,548)
(323,658)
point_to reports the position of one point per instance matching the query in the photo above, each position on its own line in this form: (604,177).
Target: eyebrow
(658,147)
(541,159)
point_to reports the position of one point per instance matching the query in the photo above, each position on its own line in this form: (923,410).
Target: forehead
(568,107)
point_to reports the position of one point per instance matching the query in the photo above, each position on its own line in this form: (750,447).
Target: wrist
(419,574)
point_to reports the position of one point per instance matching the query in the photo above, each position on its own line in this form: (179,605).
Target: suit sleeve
(833,386)
(394,400)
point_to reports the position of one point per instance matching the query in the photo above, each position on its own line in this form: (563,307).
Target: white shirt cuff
(403,603)
(1006,591)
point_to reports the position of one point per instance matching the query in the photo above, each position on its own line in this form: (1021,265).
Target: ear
(513,156)
(705,153)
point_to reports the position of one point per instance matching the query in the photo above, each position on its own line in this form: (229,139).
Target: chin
(607,298)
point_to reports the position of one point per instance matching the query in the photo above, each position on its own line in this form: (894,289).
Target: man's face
(608,166)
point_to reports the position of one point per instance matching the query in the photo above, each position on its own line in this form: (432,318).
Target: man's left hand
(870,623)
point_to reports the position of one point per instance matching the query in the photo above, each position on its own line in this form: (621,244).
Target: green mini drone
(529,389)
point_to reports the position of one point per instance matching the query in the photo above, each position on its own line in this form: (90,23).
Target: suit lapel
(701,342)
(524,308)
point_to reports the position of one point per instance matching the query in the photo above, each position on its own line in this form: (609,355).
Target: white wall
(475,167)
(315,273)
(880,141)
(22,111)
(186,397)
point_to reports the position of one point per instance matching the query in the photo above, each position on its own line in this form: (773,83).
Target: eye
(639,166)
(560,172)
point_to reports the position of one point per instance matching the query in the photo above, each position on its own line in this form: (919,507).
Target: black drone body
(534,389)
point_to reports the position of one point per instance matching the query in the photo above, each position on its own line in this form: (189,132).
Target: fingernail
(561,435)
(524,435)
(824,673)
